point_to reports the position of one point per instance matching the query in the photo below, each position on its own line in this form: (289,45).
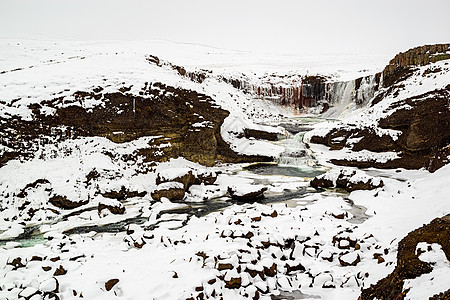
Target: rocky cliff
(404,62)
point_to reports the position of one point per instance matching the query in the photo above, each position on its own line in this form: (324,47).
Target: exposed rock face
(401,65)
(313,91)
(187,124)
(350,180)
(409,265)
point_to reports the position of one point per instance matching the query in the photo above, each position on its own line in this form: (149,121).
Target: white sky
(284,26)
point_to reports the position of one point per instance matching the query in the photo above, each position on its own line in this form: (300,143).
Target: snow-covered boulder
(171,190)
(247,192)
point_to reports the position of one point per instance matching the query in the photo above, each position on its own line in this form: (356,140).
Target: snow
(165,240)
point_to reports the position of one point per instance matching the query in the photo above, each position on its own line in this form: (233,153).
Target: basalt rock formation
(402,64)
(409,265)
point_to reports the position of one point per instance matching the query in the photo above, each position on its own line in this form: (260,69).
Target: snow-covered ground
(311,245)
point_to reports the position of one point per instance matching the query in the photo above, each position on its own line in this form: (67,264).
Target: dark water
(274,169)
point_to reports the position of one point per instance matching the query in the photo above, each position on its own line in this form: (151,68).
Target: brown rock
(222,267)
(168,190)
(64,203)
(114,209)
(111,283)
(260,134)
(60,271)
(247,197)
(233,283)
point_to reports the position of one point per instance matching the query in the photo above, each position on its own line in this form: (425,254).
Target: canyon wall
(313,91)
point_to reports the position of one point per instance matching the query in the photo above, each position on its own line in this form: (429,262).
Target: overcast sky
(286,26)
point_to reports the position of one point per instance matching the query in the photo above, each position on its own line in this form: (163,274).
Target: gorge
(132,173)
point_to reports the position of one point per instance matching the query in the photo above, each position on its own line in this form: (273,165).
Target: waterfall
(296,153)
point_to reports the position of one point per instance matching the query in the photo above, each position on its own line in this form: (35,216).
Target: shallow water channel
(297,161)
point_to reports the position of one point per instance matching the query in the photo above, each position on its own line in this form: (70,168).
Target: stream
(297,161)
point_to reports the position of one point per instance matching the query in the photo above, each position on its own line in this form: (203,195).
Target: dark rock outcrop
(64,203)
(260,134)
(346,179)
(123,194)
(409,265)
(246,195)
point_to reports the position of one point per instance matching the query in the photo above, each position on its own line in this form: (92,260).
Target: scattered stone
(16,263)
(28,292)
(233,283)
(111,283)
(222,267)
(272,271)
(60,271)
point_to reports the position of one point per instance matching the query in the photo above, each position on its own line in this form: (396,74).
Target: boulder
(349,259)
(186,176)
(247,193)
(170,190)
(50,285)
(111,283)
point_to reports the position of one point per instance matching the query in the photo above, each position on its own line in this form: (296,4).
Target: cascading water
(296,153)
